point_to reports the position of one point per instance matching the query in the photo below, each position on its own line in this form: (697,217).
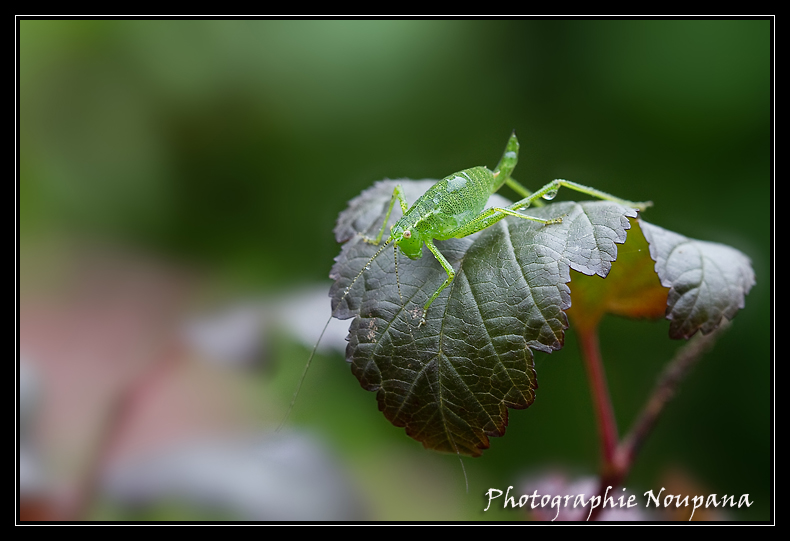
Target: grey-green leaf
(707,280)
(451,381)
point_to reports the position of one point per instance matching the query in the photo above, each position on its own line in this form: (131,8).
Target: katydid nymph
(455,207)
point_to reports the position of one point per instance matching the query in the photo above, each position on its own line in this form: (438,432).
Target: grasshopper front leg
(397,195)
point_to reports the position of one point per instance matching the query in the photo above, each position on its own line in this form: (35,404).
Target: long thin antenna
(397,280)
(466,479)
(326,325)
(304,374)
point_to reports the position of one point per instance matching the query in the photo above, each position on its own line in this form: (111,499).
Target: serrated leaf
(706,280)
(450,382)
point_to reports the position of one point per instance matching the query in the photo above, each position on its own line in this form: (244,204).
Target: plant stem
(665,389)
(602,404)
(618,458)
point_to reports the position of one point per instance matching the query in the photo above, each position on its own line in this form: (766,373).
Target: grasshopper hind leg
(549,191)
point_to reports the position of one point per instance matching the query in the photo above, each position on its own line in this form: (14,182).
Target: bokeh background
(179,182)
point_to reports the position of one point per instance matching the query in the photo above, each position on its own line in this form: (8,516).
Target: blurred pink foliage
(114,378)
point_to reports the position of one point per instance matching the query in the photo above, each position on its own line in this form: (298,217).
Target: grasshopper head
(409,240)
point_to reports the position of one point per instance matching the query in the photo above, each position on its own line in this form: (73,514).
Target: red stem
(618,457)
(604,414)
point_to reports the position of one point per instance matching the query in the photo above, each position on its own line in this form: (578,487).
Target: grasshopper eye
(407,234)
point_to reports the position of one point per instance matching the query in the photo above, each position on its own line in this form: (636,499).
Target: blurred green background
(229,147)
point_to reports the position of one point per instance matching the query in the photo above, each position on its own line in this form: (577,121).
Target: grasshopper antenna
(304,374)
(463,468)
(326,325)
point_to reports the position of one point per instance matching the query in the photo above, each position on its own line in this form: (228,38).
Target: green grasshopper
(454,207)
